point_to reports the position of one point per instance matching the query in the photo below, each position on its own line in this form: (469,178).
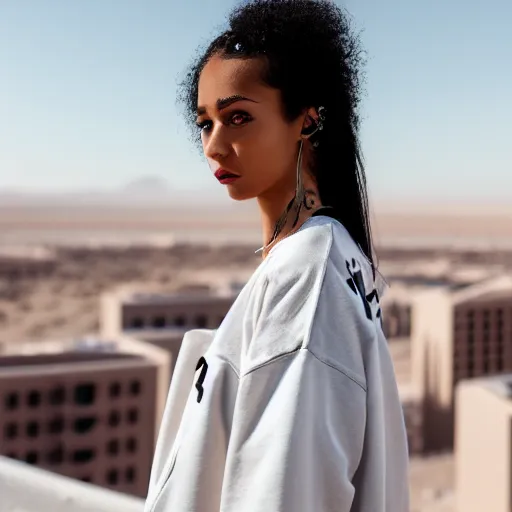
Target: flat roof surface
(24,488)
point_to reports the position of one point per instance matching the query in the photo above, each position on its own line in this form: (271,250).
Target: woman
(291,404)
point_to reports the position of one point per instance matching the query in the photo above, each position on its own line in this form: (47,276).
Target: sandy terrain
(81,224)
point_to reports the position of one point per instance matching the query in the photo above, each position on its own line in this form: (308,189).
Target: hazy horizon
(157,191)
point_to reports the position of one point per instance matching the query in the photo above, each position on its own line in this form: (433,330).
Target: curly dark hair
(314,57)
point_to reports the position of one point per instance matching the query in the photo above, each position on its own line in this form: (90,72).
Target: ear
(310,124)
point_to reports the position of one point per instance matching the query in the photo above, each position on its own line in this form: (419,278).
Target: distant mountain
(144,191)
(147,186)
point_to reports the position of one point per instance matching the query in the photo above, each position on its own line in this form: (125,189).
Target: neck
(273,203)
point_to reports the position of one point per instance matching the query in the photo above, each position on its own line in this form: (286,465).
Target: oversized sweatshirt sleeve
(297,438)
(299,419)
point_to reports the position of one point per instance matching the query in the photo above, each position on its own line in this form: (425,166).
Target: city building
(396,311)
(413,417)
(161,319)
(457,334)
(88,409)
(167,339)
(25,488)
(131,313)
(483,444)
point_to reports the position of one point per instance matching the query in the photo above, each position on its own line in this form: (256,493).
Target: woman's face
(244,130)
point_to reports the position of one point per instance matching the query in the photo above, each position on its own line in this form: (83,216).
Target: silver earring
(320,124)
(321,117)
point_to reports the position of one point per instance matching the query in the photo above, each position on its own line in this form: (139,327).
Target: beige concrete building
(132,313)
(166,339)
(457,335)
(413,416)
(87,409)
(483,445)
(161,319)
(396,310)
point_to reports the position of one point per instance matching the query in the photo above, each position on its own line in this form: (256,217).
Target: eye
(204,125)
(240,118)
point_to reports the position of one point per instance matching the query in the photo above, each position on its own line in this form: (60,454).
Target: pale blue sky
(87,94)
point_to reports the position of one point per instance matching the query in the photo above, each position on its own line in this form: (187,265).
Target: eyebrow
(223,103)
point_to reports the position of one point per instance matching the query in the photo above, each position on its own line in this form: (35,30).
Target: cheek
(265,151)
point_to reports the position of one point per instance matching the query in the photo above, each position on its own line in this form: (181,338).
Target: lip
(225,176)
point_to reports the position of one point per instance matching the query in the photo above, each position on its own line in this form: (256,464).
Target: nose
(215,145)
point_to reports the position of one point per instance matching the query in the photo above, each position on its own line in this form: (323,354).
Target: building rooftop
(160,333)
(499,385)
(490,289)
(41,357)
(193,292)
(484,291)
(24,488)
(178,297)
(83,345)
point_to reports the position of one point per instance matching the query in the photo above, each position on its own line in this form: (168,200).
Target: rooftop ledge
(24,488)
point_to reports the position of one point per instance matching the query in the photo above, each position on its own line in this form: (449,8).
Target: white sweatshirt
(291,405)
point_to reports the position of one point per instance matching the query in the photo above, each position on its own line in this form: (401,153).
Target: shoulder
(323,246)
(336,311)
(304,251)
(311,297)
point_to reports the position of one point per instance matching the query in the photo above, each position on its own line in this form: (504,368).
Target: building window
(83,425)
(56,456)
(500,364)
(12,401)
(86,479)
(131,445)
(135,387)
(32,429)
(179,321)
(114,418)
(57,396)
(83,456)
(113,447)
(130,475)
(137,323)
(221,319)
(34,399)
(11,431)
(115,389)
(32,457)
(201,321)
(133,416)
(56,425)
(159,322)
(11,455)
(112,477)
(85,394)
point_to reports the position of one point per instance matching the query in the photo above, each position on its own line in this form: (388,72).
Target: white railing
(24,488)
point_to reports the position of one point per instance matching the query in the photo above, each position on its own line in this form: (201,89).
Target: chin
(239,194)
